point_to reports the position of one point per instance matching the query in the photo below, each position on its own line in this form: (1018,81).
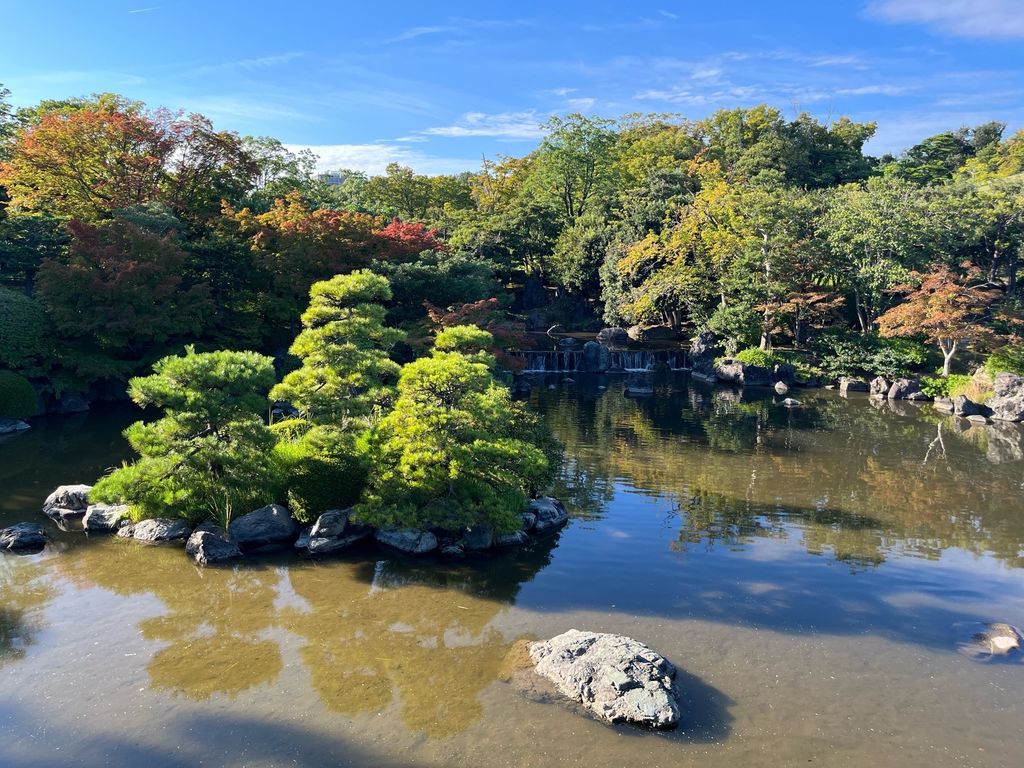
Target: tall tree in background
(574,163)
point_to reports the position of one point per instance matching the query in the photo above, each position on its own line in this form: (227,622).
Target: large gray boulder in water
(23,537)
(906,389)
(210,545)
(157,530)
(408,540)
(549,514)
(879,387)
(67,503)
(613,337)
(617,678)
(596,358)
(1008,403)
(104,517)
(704,350)
(266,527)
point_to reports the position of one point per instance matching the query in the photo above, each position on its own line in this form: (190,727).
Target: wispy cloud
(146,10)
(993,19)
(581,103)
(259,62)
(880,89)
(457,26)
(374,158)
(505,125)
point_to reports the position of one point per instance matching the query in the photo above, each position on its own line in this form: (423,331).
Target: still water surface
(806,569)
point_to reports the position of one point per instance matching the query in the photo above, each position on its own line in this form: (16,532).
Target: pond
(806,569)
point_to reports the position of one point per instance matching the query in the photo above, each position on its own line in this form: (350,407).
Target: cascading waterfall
(630,361)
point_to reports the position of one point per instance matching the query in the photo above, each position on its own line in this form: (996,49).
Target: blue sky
(440,85)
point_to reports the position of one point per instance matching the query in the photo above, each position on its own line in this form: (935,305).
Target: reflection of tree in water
(23,595)
(414,634)
(215,616)
(851,476)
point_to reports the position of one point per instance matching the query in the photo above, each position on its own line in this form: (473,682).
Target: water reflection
(416,635)
(24,594)
(857,479)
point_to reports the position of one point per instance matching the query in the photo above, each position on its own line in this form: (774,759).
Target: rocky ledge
(67,504)
(615,677)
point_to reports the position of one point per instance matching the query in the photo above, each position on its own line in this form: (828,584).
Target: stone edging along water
(273,528)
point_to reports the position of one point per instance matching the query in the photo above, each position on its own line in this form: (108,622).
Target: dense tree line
(127,233)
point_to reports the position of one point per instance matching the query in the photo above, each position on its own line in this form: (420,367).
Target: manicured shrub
(757,356)
(17,398)
(323,469)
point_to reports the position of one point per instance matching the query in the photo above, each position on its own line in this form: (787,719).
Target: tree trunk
(948,347)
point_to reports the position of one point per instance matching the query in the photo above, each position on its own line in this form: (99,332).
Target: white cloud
(997,19)
(582,103)
(505,125)
(457,26)
(883,89)
(261,62)
(373,159)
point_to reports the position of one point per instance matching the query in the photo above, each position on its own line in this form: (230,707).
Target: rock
(529,520)
(704,350)
(638,385)
(321,545)
(210,545)
(408,540)
(852,385)
(734,372)
(478,538)
(1008,403)
(104,517)
(781,388)
(568,341)
(71,402)
(613,337)
(331,523)
(964,406)
(157,530)
(615,677)
(644,333)
(23,537)
(992,639)
(943,404)
(67,503)
(918,396)
(12,426)
(879,386)
(977,418)
(453,549)
(266,527)
(596,358)
(902,389)
(557,328)
(791,402)
(514,539)
(550,514)
(784,373)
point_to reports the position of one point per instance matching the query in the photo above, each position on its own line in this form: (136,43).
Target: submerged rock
(639,385)
(550,514)
(266,527)
(321,545)
(617,678)
(988,640)
(791,402)
(23,537)
(157,530)
(514,539)
(210,545)
(104,517)
(943,404)
(408,540)
(12,426)
(67,503)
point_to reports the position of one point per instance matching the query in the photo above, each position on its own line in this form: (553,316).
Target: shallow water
(806,569)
